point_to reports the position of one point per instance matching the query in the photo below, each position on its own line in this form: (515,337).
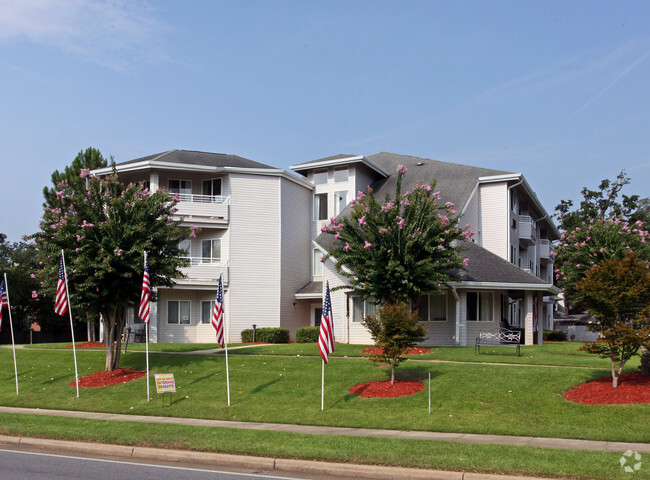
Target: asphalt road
(23,465)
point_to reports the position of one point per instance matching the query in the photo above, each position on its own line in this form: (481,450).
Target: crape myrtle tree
(395,252)
(603,228)
(73,180)
(104,232)
(617,293)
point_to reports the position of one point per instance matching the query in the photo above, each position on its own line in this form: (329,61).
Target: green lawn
(378,451)
(466,397)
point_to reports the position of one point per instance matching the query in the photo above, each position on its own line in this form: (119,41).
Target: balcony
(204,271)
(527,230)
(202,210)
(546,254)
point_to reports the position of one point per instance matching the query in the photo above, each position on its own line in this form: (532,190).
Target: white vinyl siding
(494,222)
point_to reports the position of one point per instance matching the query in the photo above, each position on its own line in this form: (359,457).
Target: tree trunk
(645,361)
(109,334)
(392,374)
(120,320)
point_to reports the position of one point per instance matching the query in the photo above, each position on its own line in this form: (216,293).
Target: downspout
(453,291)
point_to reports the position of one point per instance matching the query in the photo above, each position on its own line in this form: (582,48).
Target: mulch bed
(632,388)
(401,388)
(103,379)
(412,351)
(89,345)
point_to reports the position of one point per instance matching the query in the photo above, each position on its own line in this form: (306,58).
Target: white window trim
(429,313)
(365,309)
(210,308)
(478,307)
(211,240)
(179,313)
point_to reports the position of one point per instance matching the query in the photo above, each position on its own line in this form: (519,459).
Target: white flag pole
(227,370)
(322,390)
(11,325)
(146,329)
(74,348)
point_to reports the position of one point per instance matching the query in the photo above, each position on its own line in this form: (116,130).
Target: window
(320,177)
(186,248)
(211,250)
(341,174)
(178,312)
(212,188)
(340,201)
(513,254)
(479,306)
(320,206)
(362,308)
(318,264)
(183,187)
(438,308)
(206,311)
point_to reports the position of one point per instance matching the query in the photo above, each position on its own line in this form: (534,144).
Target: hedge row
(266,335)
(307,334)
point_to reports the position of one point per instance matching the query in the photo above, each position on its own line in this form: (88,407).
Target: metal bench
(498,337)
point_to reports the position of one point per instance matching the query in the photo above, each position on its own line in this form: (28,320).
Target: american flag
(4,300)
(217,314)
(61,301)
(145,310)
(326,334)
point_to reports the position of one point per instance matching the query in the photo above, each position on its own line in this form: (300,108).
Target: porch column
(154,182)
(528,318)
(540,318)
(153,322)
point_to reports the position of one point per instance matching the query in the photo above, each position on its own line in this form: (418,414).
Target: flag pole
(227,373)
(322,389)
(74,348)
(11,325)
(146,330)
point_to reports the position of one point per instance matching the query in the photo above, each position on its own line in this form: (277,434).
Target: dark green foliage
(72,180)
(394,328)
(555,336)
(266,335)
(307,334)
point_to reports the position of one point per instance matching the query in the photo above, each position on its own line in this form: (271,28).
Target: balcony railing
(204,270)
(202,209)
(546,251)
(527,230)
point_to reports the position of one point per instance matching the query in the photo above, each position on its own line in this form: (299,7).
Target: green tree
(394,329)
(603,203)
(399,250)
(104,232)
(617,293)
(73,178)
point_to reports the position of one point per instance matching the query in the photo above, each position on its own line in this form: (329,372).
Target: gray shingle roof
(455,181)
(191,157)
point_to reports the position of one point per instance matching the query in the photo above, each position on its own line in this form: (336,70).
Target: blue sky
(557,90)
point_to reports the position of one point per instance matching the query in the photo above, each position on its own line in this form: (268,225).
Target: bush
(307,334)
(266,335)
(555,336)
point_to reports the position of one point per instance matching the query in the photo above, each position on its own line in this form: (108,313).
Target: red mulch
(632,388)
(89,345)
(103,379)
(412,351)
(401,388)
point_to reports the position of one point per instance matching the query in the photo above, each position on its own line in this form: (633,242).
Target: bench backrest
(500,335)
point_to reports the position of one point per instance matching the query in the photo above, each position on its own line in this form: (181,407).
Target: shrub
(307,334)
(555,336)
(266,335)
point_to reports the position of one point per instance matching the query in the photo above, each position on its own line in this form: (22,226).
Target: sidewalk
(561,443)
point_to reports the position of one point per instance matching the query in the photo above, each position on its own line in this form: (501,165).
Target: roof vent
(420,164)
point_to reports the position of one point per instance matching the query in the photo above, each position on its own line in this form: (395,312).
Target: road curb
(246,462)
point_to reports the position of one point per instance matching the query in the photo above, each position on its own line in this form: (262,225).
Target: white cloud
(116,34)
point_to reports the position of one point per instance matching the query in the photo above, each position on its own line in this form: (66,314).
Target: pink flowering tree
(395,252)
(590,244)
(399,249)
(103,232)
